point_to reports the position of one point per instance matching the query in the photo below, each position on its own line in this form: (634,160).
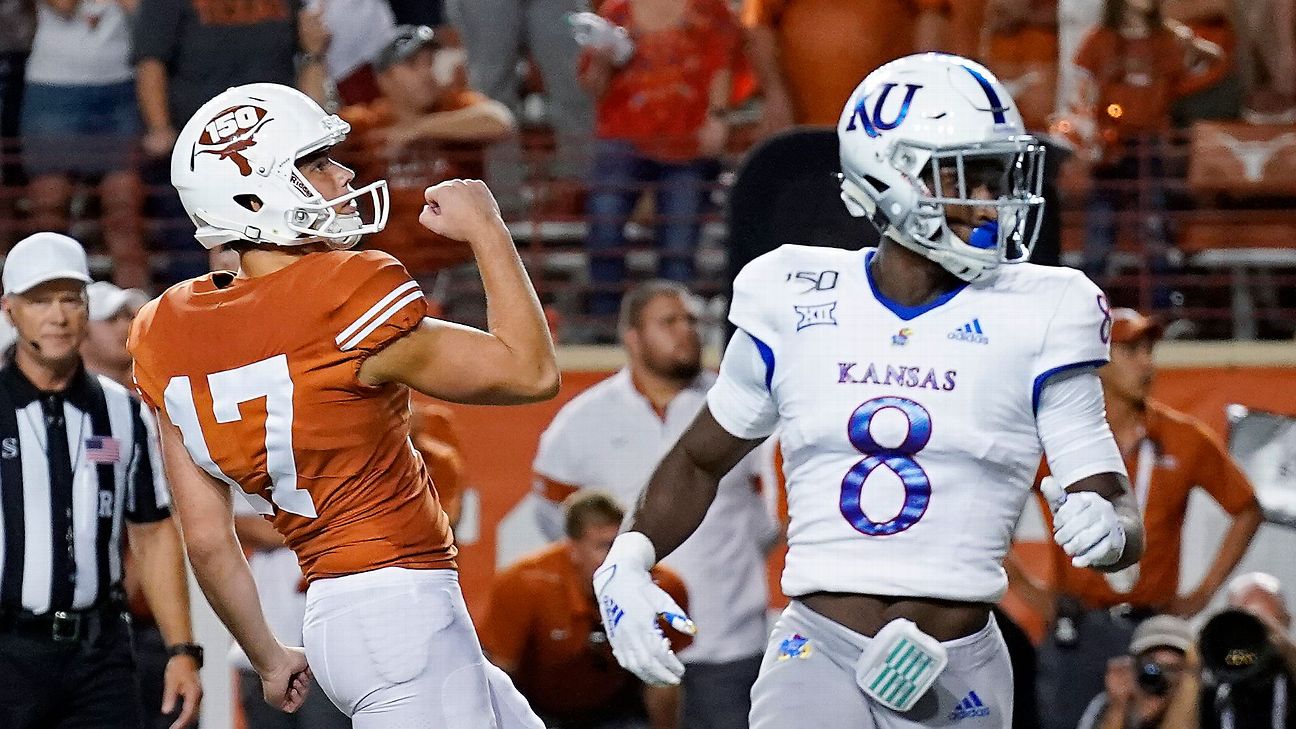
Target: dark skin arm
(684,485)
(1115,487)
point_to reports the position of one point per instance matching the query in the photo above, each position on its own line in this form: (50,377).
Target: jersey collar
(902,311)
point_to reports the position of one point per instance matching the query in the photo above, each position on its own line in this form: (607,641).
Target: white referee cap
(43,257)
(107,300)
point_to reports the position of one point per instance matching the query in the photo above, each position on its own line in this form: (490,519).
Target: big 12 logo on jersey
(230,133)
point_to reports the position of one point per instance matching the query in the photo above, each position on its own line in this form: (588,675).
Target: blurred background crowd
(613,145)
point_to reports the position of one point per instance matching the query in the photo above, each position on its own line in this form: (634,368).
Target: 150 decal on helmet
(231,131)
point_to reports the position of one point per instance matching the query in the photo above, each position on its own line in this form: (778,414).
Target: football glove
(600,34)
(630,605)
(1085,525)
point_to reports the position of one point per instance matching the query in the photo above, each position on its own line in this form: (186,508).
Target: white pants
(395,649)
(808,680)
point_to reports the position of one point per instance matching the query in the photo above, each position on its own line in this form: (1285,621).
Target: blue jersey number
(899,460)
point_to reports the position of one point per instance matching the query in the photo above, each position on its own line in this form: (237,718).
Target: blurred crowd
(623,116)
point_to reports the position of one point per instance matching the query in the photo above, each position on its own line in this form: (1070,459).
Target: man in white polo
(610,438)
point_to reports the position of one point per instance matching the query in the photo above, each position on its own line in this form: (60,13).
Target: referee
(77,455)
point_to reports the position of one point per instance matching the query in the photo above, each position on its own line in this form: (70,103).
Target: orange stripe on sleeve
(555,491)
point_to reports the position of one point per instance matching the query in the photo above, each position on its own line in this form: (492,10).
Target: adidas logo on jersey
(970,332)
(969,708)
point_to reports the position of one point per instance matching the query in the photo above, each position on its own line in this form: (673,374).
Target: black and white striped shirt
(73,464)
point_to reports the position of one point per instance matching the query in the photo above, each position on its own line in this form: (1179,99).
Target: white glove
(630,604)
(598,33)
(1085,525)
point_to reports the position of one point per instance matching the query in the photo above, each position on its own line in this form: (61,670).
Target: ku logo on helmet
(872,122)
(230,133)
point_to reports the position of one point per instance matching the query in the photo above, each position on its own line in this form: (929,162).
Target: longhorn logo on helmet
(229,134)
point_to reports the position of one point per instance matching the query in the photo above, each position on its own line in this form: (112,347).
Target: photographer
(1155,686)
(1250,658)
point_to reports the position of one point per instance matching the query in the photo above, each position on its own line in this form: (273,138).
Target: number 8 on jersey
(899,460)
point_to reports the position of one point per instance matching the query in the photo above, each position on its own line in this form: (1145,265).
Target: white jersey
(909,433)
(610,439)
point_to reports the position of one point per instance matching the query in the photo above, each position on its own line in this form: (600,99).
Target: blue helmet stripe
(996,107)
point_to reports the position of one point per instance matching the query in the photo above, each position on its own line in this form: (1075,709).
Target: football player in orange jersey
(289,382)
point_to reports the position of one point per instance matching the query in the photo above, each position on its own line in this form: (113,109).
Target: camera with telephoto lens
(1152,679)
(1236,649)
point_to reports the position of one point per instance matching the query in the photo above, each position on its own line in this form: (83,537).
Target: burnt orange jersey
(261,377)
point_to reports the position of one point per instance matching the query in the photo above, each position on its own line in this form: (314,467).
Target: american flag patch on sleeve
(102,449)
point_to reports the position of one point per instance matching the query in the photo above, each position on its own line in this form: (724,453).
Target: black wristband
(193,650)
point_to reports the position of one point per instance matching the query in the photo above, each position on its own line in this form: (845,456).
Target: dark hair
(633,303)
(585,509)
(1113,9)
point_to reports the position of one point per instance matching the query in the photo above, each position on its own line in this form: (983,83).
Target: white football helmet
(240,151)
(920,115)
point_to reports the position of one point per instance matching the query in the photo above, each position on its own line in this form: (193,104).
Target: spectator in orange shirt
(1132,69)
(1213,90)
(426,127)
(1167,454)
(543,629)
(810,54)
(1021,48)
(662,100)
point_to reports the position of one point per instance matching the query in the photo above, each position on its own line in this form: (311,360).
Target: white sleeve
(1077,335)
(740,399)
(161,492)
(1072,426)
(558,459)
(559,455)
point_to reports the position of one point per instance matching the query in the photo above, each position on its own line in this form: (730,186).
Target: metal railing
(1230,271)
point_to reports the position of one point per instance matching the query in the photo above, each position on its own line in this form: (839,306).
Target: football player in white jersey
(914,386)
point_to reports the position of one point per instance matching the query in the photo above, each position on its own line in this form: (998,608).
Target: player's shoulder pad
(1075,317)
(790,258)
(1035,278)
(359,266)
(373,297)
(1052,289)
(1077,293)
(765,285)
